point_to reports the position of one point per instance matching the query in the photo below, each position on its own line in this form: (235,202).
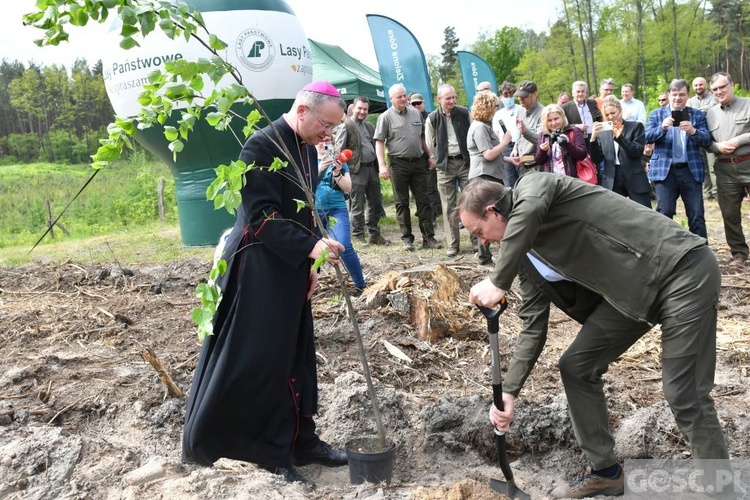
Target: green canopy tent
(348,75)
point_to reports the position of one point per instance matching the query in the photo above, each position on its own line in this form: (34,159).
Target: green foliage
(21,146)
(548,66)
(448,67)
(320,260)
(210,295)
(224,189)
(503,50)
(120,197)
(57,113)
(634,41)
(652,93)
(65,147)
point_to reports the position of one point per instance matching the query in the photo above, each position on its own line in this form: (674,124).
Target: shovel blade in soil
(509,489)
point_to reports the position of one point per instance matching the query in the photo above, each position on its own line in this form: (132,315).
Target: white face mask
(508,102)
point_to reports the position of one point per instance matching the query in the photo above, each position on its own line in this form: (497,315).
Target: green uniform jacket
(592,236)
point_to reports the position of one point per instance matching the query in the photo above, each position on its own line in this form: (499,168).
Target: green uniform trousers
(686,309)
(411,175)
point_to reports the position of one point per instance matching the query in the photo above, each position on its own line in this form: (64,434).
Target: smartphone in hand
(680,116)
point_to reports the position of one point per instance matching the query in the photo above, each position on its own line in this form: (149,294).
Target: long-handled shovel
(507,487)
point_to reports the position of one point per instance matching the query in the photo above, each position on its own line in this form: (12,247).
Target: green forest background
(57,114)
(52,117)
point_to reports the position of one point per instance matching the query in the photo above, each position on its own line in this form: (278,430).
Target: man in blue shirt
(677,168)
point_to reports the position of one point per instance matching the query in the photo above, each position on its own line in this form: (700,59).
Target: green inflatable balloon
(269,48)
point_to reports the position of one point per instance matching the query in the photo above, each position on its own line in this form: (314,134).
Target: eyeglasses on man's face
(664,99)
(478,231)
(326,126)
(719,87)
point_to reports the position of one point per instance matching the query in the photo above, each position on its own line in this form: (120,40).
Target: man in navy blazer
(677,167)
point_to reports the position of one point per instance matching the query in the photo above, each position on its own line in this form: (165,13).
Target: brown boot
(738,260)
(587,484)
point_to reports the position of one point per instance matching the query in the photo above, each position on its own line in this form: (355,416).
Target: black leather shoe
(432,243)
(377,239)
(290,475)
(322,454)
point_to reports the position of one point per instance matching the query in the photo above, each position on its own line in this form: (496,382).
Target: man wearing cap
(729,125)
(648,270)
(582,112)
(417,101)
(401,129)
(529,122)
(445,132)
(254,390)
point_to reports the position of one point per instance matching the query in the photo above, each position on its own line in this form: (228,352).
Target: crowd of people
(506,173)
(669,154)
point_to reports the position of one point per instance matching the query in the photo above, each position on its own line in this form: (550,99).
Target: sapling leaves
(320,260)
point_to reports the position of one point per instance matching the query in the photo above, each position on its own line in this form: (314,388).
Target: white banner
(269,49)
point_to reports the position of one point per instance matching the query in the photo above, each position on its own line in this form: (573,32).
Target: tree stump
(433,298)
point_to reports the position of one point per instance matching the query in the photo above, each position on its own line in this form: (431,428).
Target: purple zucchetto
(322,88)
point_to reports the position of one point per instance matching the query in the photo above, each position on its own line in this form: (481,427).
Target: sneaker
(376,239)
(357,292)
(432,243)
(587,484)
(359,238)
(408,246)
(451,253)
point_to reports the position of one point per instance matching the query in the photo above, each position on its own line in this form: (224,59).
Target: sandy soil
(83,415)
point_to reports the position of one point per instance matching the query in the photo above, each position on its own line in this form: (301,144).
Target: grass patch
(119,197)
(150,244)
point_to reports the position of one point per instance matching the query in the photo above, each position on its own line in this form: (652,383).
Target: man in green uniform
(729,124)
(647,269)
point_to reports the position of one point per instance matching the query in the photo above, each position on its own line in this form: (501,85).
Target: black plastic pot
(368,462)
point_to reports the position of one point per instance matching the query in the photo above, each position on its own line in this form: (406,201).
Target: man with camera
(676,170)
